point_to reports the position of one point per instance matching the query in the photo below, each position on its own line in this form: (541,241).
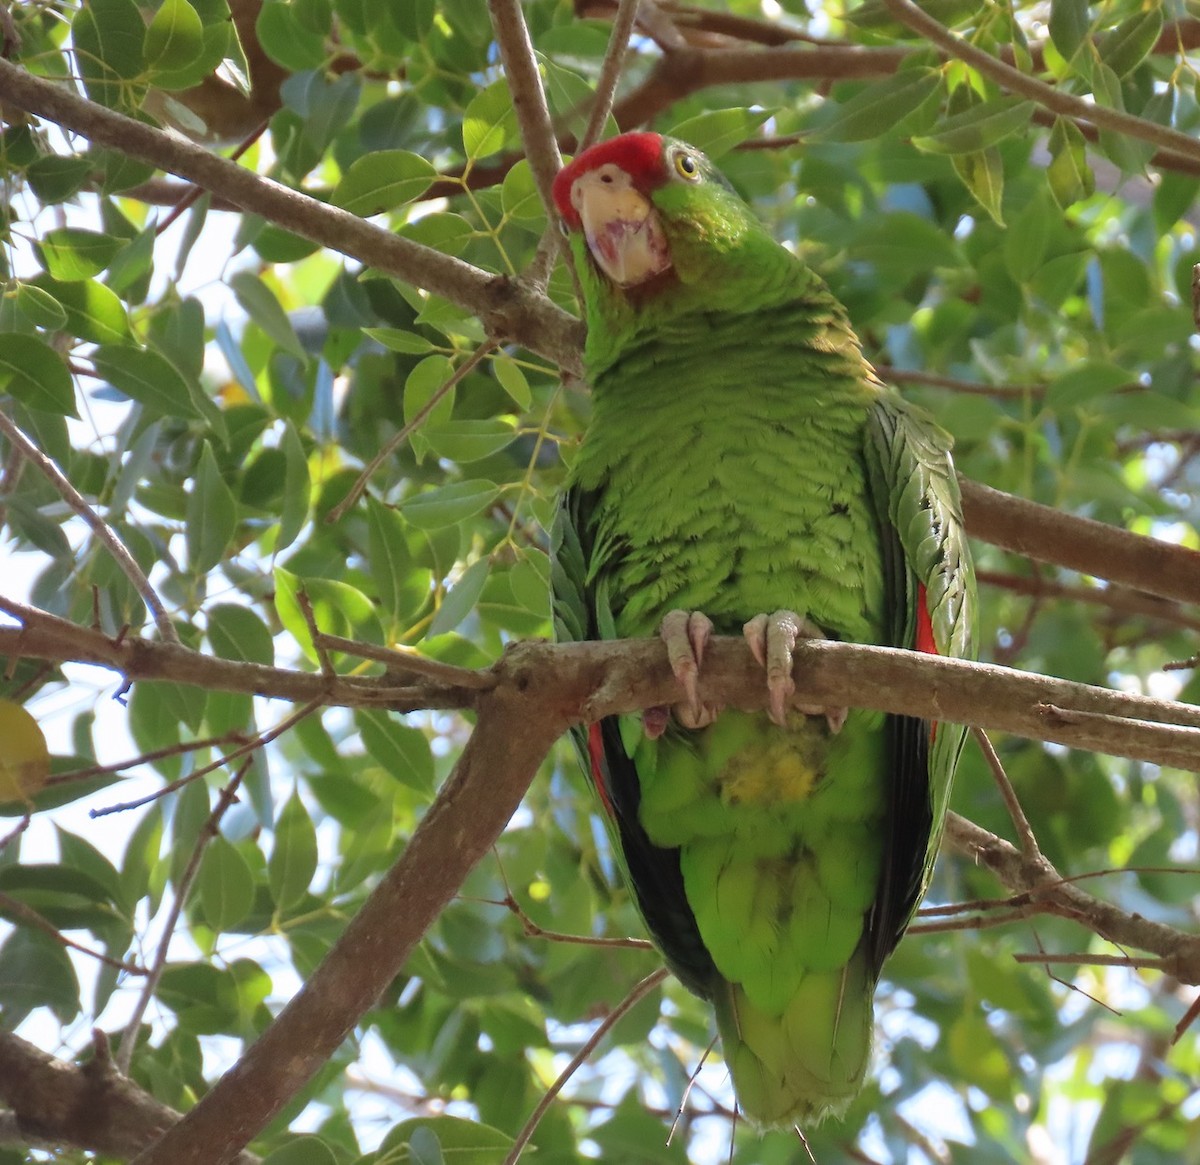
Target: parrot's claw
(686,635)
(772,639)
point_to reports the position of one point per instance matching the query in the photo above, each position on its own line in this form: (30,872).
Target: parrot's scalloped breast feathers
(640,155)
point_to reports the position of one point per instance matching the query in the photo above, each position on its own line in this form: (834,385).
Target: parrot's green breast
(736,499)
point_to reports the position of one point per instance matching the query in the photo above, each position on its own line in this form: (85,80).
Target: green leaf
(716,131)
(35,374)
(38,306)
(401,751)
(147,377)
(519,194)
(1069,175)
(108,37)
(94,313)
(1127,45)
(338,608)
(211,515)
(238,632)
(382,181)
(1069,26)
(1025,245)
(465,441)
(978,127)
(424,1148)
(448,505)
(466,1142)
(35,972)
(56,177)
(70,253)
(226,885)
(402,586)
(983,175)
(461,599)
(428,383)
(490,122)
(174,38)
(297,488)
(286,41)
(305,1150)
(512,379)
(393,338)
(293,859)
(880,106)
(1085,382)
(259,303)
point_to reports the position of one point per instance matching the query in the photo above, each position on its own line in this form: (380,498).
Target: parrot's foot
(686,634)
(772,639)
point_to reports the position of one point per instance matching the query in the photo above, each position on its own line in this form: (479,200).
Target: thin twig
(977,922)
(1025,834)
(528,96)
(260,741)
(602,1029)
(228,795)
(409,661)
(1089,960)
(26,914)
(1056,100)
(144,758)
(532,929)
(355,492)
(610,72)
(103,531)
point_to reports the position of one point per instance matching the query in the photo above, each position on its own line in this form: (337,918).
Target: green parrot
(745,471)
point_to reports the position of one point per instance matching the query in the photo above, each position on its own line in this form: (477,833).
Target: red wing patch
(925,641)
(599,768)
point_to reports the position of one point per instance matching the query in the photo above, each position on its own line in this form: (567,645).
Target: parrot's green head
(657,231)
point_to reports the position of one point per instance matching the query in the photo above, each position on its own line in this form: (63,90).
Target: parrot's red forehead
(638,154)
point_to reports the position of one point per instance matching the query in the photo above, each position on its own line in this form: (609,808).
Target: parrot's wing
(581,611)
(929,588)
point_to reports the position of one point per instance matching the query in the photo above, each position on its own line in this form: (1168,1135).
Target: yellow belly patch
(781,768)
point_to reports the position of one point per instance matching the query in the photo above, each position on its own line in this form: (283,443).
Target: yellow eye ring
(687,167)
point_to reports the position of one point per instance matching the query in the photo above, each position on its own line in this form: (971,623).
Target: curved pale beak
(622,228)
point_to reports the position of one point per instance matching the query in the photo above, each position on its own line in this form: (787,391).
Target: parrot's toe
(686,634)
(772,639)
(655,720)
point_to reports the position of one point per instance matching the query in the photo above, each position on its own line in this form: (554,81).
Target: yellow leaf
(24,757)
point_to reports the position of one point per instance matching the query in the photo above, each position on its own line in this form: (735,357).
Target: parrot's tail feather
(808,1061)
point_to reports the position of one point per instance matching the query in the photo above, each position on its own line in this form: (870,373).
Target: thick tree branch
(508,310)
(628,675)
(1148,565)
(91,1106)
(474,805)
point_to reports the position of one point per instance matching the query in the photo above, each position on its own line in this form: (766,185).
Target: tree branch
(620,676)
(474,805)
(103,531)
(1056,100)
(508,310)
(91,1106)
(485,788)
(1048,890)
(1108,552)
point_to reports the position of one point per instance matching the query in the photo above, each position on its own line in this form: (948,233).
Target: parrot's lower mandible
(745,472)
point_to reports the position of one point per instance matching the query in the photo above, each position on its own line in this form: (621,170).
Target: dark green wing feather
(926,565)
(581,613)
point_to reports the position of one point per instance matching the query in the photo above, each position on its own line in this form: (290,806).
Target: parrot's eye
(687,167)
